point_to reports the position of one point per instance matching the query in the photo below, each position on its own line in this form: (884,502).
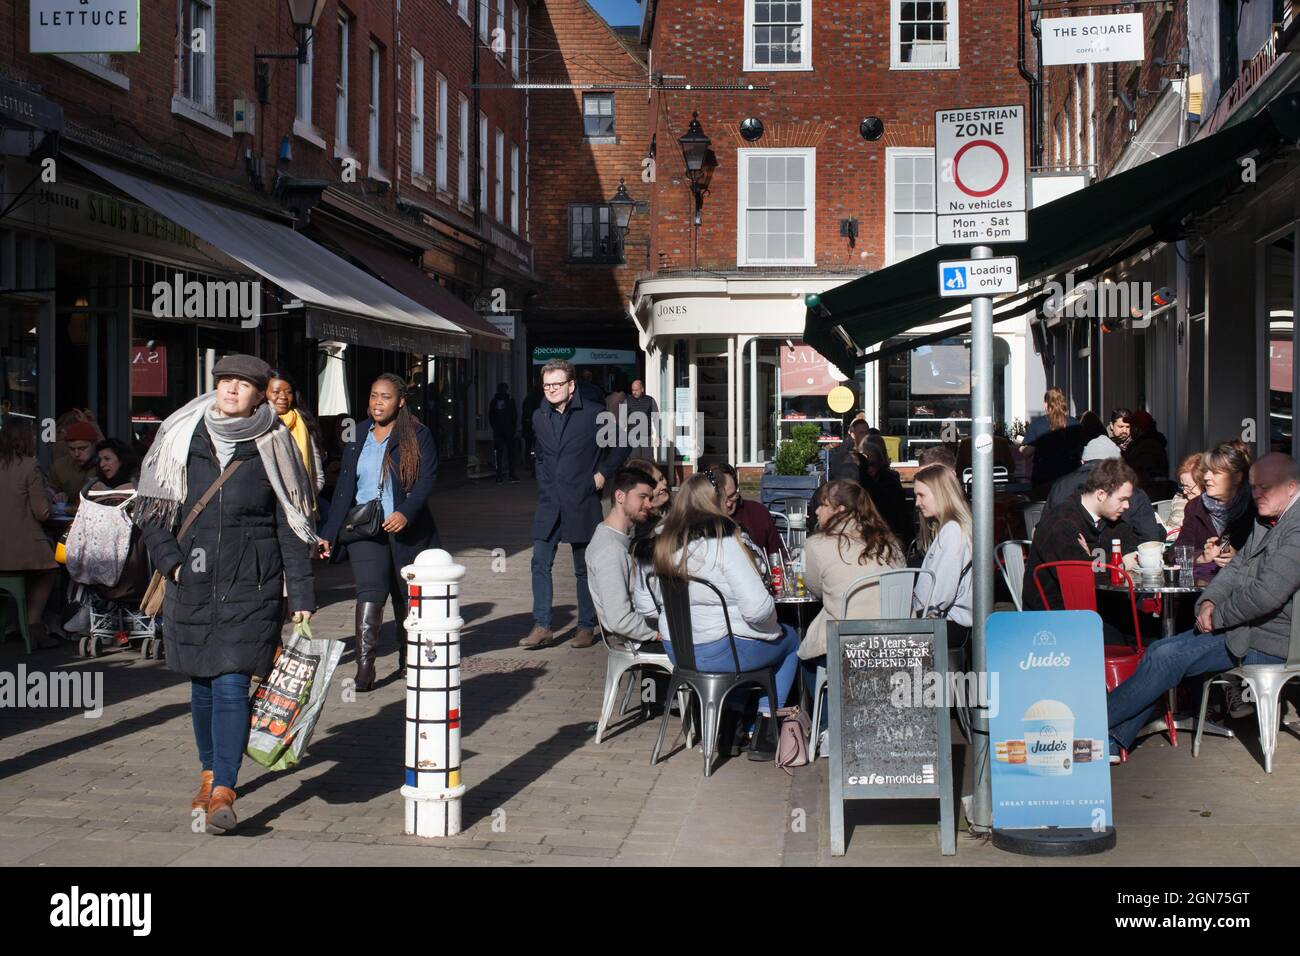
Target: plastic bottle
(1116,560)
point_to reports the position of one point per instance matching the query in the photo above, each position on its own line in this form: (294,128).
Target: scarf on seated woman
(1225,513)
(164,480)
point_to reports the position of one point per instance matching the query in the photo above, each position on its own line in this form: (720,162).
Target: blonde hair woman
(698,539)
(945,535)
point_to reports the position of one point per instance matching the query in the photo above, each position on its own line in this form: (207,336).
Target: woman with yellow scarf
(282,394)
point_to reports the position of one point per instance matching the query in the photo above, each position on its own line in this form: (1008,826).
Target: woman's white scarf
(164,479)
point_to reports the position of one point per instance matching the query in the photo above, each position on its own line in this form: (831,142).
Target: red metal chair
(1078,585)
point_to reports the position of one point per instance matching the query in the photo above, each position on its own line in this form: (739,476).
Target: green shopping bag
(288,703)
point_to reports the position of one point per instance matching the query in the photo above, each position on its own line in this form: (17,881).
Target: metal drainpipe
(1035,88)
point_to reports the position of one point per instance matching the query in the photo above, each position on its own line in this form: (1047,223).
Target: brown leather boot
(538,637)
(583,637)
(204,796)
(221,811)
(369,619)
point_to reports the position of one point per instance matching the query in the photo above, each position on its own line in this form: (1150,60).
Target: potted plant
(797,469)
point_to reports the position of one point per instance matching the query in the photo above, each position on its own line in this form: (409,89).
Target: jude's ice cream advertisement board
(1049,730)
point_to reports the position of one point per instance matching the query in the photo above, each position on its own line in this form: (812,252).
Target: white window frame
(341,85)
(441,159)
(482,160)
(1092,118)
(514,189)
(1078,120)
(612,135)
(483,13)
(501,175)
(896,39)
(809,154)
(892,153)
(462,9)
(417,115)
(372,145)
(514,40)
(463,173)
(207,103)
(805,47)
(303,104)
(501,25)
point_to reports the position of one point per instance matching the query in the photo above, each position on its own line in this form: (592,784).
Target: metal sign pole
(981,361)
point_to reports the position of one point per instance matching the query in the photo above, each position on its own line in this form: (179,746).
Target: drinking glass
(1183,557)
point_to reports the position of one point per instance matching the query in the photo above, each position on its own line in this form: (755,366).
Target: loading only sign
(980,175)
(971,277)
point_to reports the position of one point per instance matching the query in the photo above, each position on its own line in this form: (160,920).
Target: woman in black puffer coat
(228,573)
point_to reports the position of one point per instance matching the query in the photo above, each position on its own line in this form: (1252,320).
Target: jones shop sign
(85,26)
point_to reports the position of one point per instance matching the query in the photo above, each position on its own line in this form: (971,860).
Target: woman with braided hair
(391,466)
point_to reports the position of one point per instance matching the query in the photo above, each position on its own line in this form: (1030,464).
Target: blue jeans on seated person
(1140,699)
(754,655)
(219,708)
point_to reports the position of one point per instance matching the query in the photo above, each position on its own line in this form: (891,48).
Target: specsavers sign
(85,26)
(544,354)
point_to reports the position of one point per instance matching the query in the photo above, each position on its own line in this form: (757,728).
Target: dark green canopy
(1154,201)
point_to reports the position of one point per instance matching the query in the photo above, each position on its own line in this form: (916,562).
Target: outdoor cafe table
(1169,595)
(798,612)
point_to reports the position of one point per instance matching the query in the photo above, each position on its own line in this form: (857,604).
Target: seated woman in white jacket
(698,539)
(945,534)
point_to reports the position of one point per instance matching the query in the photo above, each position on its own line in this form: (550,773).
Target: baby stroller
(110,571)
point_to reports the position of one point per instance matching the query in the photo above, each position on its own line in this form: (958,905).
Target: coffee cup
(1151,555)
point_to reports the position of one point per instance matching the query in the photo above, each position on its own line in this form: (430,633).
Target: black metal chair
(710,687)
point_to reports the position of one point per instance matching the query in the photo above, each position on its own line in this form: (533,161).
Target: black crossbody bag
(364,521)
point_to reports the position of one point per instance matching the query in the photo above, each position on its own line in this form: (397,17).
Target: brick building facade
(384,190)
(805,206)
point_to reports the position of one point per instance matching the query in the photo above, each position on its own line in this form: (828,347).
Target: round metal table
(803,609)
(1168,593)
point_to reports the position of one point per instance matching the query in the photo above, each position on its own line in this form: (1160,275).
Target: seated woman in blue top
(393,459)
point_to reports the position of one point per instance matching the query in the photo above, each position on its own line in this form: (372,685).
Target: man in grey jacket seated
(1141,514)
(609,563)
(1242,617)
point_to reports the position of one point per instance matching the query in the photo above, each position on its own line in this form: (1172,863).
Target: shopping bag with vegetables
(288,703)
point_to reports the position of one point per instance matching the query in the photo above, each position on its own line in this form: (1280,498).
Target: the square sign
(87,26)
(980,193)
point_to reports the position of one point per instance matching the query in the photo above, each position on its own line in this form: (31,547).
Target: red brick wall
(1165,36)
(703,40)
(143,114)
(566,168)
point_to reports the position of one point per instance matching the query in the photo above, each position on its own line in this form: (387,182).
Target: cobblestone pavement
(115,790)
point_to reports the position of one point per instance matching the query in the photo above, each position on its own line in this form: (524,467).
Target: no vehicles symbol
(981,167)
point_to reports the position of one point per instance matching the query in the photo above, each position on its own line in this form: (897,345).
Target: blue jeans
(543,559)
(220,710)
(1165,664)
(754,655)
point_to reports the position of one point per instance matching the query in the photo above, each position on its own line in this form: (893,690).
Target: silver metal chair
(1011,562)
(1033,514)
(796,514)
(782,526)
(1265,682)
(1163,510)
(896,589)
(711,687)
(624,656)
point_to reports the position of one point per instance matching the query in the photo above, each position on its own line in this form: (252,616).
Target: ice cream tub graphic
(1049,738)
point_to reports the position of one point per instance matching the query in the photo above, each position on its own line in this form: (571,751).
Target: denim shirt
(368,465)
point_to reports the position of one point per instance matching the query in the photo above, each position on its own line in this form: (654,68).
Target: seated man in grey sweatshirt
(609,563)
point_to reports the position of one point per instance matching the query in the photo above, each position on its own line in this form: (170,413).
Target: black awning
(1150,203)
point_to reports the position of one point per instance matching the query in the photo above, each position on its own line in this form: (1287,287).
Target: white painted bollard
(432,790)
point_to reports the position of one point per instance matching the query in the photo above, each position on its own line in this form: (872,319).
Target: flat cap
(248,367)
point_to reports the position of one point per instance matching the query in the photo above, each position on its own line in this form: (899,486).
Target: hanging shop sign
(1114,38)
(85,26)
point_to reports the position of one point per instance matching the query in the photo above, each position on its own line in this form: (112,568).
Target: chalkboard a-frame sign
(886,743)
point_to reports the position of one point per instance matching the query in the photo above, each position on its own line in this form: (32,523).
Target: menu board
(889,717)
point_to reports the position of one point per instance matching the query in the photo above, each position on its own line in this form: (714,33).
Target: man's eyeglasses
(734,496)
(553,385)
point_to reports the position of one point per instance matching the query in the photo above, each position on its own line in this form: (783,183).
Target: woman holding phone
(380,513)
